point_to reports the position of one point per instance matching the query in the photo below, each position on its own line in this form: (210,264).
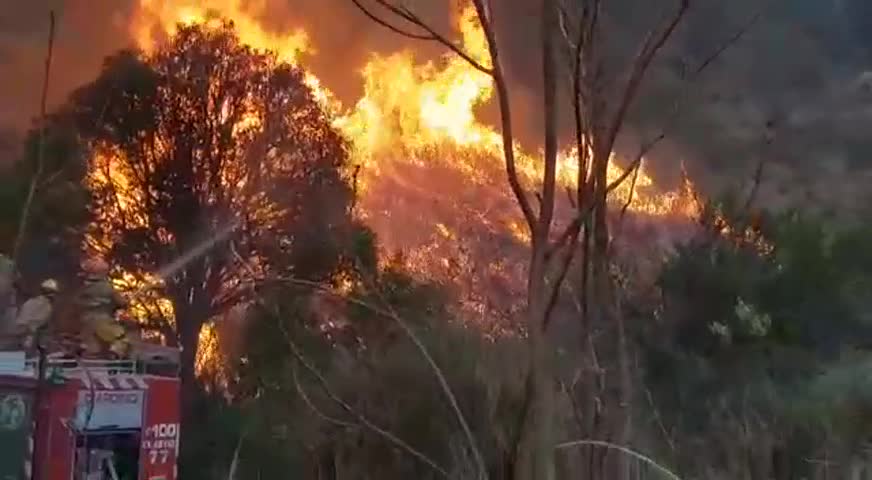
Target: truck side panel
(56,441)
(16,421)
(160,437)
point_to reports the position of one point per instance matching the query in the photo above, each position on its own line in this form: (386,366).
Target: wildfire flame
(431,177)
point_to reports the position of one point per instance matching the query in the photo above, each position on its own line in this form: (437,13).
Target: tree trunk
(623,411)
(535,456)
(605,315)
(536,448)
(188,328)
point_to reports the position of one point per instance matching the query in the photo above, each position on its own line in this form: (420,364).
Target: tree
(763,345)
(209,161)
(600,114)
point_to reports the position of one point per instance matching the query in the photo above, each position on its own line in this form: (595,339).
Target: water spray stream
(168,270)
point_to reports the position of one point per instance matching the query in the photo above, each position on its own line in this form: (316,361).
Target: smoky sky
(798,75)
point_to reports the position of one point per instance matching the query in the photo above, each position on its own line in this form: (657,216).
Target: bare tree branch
(625,450)
(755,185)
(407,330)
(632,191)
(648,146)
(730,41)
(325,386)
(40,153)
(443,382)
(322,381)
(496,72)
(659,420)
(483,11)
(432,35)
(315,409)
(633,167)
(375,18)
(671,121)
(640,65)
(549,181)
(562,269)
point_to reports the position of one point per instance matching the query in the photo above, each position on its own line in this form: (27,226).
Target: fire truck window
(95,451)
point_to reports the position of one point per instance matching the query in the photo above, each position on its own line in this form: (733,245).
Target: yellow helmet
(49,286)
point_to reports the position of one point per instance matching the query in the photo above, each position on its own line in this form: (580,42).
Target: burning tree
(210,161)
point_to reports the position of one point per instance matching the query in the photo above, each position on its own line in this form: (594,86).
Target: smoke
(800,70)
(89,30)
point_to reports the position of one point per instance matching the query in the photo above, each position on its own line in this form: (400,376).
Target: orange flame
(420,147)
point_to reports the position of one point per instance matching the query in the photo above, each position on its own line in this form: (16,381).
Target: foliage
(208,143)
(744,334)
(381,374)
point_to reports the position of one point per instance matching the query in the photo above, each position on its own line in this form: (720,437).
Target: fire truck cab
(78,419)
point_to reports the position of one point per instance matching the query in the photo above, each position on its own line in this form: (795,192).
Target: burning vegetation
(321,262)
(429,176)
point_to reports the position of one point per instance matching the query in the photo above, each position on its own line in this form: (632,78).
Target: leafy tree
(208,143)
(756,343)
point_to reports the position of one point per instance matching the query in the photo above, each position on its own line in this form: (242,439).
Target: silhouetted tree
(208,142)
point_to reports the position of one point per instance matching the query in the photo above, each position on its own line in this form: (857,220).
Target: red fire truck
(80,419)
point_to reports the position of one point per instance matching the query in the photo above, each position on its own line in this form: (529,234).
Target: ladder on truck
(16,363)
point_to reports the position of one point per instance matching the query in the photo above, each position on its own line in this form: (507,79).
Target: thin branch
(434,367)
(505,114)
(432,35)
(598,443)
(659,420)
(755,185)
(716,54)
(647,147)
(234,464)
(576,409)
(671,121)
(563,269)
(322,381)
(375,18)
(633,168)
(40,153)
(496,72)
(575,46)
(550,108)
(48,180)
(325,386)
(758,173)
(582,124)
(315,409)
(585,269)
(643,60)
(570,231)
(730,41)
(632,192)
(583,214)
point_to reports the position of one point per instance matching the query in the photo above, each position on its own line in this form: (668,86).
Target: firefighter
(35,314)
(99,301)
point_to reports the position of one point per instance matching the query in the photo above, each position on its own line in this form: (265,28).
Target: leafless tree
(600,115)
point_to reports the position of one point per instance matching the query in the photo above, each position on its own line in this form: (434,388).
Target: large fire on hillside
(429,175)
